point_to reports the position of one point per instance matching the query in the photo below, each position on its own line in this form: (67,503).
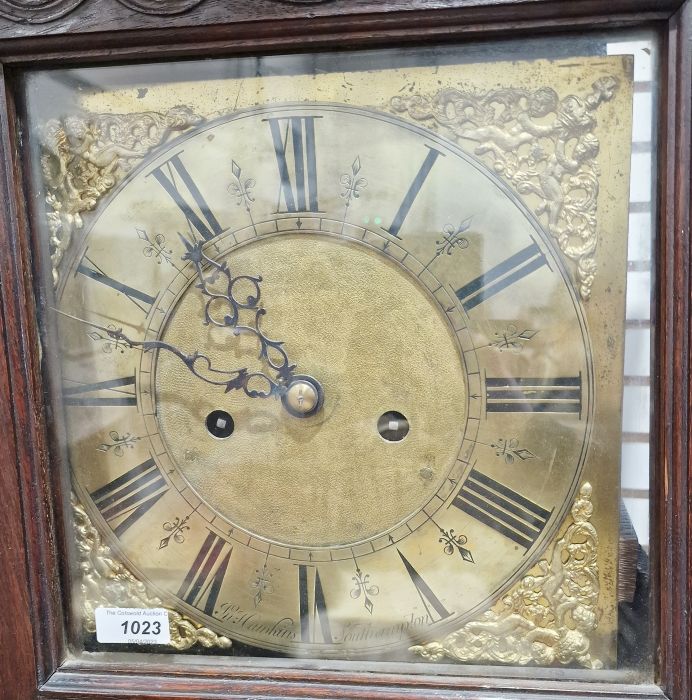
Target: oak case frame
(33,541)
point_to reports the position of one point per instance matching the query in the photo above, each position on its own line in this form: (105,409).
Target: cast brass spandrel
(105,582)
(85,155)
(548,617)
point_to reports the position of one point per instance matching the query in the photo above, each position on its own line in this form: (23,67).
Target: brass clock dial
(329,385)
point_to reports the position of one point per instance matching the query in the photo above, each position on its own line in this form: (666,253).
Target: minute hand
(198,363)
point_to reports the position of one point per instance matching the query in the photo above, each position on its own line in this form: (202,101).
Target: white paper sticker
(132,626)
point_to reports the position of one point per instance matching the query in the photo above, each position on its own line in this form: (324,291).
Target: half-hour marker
(140,299)
(202,583)
(413,190)
(504,510)
(204,222)
(299,182)
(312,605)
(127,498)
(112,392)
(501,276)
(529,394)
(433,605)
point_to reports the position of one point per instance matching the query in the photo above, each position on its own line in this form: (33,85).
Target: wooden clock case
(34,656)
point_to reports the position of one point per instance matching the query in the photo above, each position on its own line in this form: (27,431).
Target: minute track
(371,239)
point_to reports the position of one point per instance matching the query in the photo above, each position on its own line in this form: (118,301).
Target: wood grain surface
(672,487)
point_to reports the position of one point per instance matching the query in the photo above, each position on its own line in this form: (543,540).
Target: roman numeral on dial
(529,394)
(127,498)
(112,392)
(501,276)
(298,174)
(432,604)
(502,509)
(312,606)
(176,180)
(203,581)
(140,299)
(413,190)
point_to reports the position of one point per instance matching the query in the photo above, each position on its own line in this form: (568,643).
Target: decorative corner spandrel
(105,582)
(83,156)
(548,616)
(540,143)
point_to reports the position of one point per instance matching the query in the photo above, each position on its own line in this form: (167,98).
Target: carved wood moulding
(215,22)
(43,11)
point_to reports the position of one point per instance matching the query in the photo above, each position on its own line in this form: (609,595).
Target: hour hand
(223,305)
(227,296)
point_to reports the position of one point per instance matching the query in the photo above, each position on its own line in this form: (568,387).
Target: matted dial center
(354,323)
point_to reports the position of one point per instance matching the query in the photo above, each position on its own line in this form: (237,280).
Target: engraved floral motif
(107,583)
(547,617)
(119,443)
(455,543)
(509,450)
(543,145)
(176,531)
(155,248)
(511,338)
(451,241)
(84,156)
(352,184)
(452,238)
(110,344)
(262,584)
(240,189)
(364,587)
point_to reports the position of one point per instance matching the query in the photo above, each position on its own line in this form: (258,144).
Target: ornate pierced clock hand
(223,308)
(301,395)
(239,379)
